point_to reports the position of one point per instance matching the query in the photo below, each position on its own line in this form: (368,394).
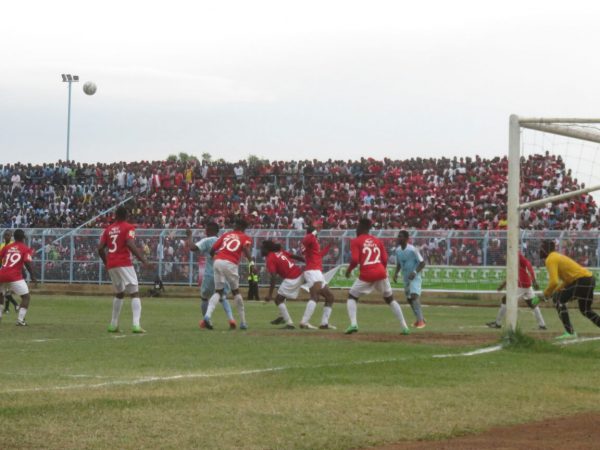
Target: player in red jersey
(227,253)
(115,249)
(14,257)
(317,285)
(8,298)
(527,283)
(369,253)
(281,263)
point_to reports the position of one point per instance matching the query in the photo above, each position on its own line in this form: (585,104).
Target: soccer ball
(89,88)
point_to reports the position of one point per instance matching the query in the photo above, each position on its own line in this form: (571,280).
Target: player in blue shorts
(207,288)
(411,263)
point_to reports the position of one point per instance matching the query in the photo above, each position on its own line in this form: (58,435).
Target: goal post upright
(583,129)
(513,219)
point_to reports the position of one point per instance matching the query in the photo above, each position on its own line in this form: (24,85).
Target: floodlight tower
(68,78)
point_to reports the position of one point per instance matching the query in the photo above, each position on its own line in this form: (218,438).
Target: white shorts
(361,287)
(314,276)
(18,287)
(525,293)
(123,279)
(290,288)
(226,272)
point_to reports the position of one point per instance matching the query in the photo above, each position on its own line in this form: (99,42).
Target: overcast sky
(289,80)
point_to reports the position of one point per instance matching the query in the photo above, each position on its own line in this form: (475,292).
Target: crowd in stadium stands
(426,194)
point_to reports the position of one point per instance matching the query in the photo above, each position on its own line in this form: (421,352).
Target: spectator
(428,194)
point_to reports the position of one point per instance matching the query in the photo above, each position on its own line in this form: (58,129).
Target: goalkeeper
(567,280)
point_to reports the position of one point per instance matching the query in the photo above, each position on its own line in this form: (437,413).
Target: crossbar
(564,131)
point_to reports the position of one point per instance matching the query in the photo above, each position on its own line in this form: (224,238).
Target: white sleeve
(203,245)
(417,254)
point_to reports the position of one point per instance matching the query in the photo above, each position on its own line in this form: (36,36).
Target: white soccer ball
(89,88)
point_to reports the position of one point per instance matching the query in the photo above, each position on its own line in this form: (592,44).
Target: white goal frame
(514,206)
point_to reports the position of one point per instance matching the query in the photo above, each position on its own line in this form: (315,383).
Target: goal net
(553,172)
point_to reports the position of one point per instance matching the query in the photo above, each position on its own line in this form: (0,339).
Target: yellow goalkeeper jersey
(4,244)
(563,269)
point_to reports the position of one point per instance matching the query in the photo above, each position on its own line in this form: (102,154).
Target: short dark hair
(271,246)
(240,224)
(364,224)
(403,233)
(121,213)
(548,246)
(19,235)
(213,226)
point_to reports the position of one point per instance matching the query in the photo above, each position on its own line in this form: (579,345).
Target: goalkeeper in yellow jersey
(567,280)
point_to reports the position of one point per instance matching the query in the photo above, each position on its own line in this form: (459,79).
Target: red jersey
(115,237)
(368,252)
(13,257)
(281,263)
(526,272)
(312,252)
(230,246)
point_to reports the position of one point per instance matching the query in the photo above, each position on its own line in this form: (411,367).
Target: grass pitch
(68,384)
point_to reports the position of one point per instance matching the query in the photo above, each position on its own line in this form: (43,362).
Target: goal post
(579,129)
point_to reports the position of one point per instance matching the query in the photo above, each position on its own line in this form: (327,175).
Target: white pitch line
(82,375)
(144,380)
(479,351)
(96,338)
(578,341)
(189,376)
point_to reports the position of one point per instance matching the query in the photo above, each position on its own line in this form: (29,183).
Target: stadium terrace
(427,194)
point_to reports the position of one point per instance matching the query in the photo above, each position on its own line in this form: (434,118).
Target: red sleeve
(271,266)
(103,237)
(325,250)
(355,252)
(130,232)
(28,257)
(309,240)
(529,267)
(247,241)
(217,244)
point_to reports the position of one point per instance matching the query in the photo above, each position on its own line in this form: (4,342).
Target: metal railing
(67,256)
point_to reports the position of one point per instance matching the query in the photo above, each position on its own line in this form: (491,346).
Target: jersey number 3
(113,244)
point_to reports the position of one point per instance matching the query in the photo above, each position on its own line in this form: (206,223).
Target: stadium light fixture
(68,78)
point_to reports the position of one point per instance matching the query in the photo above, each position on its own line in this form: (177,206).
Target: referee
(567,280)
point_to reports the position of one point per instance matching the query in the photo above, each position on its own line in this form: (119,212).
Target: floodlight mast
(68,78)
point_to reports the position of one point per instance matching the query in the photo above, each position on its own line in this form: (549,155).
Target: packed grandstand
(425,194)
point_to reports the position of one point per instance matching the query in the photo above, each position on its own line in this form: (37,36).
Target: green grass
(68,384)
